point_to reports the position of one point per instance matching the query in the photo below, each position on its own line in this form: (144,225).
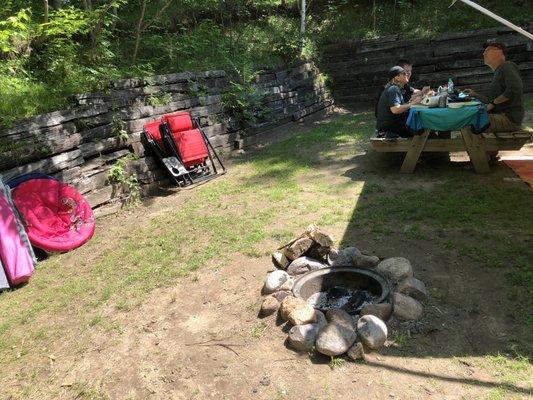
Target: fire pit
(346,288)
(337,300)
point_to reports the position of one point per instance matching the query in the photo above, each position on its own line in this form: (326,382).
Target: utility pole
(302,14)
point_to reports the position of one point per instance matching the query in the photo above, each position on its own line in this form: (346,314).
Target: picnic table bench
(475,145)
(463,120)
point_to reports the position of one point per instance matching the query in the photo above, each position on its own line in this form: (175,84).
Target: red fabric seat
(189,142)
(154,130)
(58,217)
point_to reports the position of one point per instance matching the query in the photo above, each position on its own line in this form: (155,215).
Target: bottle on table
(450,85)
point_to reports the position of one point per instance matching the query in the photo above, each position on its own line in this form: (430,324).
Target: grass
(336,362)
(267,198)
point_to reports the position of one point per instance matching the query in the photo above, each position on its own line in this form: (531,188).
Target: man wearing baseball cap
(504,97)
(391,109)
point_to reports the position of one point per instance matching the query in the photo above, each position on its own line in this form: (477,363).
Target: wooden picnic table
(476,145)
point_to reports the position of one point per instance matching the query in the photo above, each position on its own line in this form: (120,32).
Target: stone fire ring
(348,277)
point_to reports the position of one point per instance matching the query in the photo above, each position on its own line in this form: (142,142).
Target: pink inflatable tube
(57,216)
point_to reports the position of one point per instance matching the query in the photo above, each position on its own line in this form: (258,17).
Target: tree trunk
(57,4)
(45,4)
(138,31)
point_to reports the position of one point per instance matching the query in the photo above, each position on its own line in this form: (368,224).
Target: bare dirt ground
(202,338)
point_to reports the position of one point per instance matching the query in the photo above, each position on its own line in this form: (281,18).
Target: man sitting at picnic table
(392,110)
(505,93)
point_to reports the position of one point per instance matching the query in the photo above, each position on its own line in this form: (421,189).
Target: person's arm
(512,84)
(400,108)
(473,93)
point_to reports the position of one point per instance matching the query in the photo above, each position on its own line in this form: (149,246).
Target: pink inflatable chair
(57,216)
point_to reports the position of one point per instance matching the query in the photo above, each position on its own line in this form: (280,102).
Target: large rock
(320,318)
(302,314)
(341,317)
(382,310)
(303,265)
(396,268)
(275,280)
(406,307)
(356,352)
(302,337)
(279,259)
(343,257)
(288,305)
(318,236)
(269,306)
(414,288)
(297,248)
(364,261)
(334,339)
(281,294)
(372,331)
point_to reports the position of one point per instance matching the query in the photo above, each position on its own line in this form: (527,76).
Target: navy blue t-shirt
(385,119)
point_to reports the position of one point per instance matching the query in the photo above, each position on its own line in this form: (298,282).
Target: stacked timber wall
(357,68)
(100,138)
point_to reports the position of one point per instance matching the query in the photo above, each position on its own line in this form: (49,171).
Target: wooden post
(476,151)
(418,143)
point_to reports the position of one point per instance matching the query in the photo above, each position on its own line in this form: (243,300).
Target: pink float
(57,216)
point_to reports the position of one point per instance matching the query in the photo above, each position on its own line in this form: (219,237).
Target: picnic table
(470,120)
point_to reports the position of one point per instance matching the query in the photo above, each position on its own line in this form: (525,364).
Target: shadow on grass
(468,237)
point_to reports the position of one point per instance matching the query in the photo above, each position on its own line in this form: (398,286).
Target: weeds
(337,362)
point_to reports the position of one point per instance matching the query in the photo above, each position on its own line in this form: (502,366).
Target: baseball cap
(497,45)
(395,71)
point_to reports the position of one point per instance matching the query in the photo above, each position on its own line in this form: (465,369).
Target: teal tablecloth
(449,119)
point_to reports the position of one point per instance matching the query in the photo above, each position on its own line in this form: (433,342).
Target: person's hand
(426,90)
(431,93)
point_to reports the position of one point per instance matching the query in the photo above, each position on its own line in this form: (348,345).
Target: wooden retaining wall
(82,145)
(357,68)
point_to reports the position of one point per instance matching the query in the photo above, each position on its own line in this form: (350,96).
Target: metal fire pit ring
(348,277)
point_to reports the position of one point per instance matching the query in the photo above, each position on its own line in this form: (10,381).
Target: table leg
(476,151)
(418,143)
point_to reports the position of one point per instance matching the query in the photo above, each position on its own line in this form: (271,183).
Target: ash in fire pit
(349,300)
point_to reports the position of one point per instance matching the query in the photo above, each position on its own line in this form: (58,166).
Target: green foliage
(129,183)
(119,130)
(159,99)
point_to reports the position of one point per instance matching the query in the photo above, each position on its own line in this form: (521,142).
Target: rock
(340,317)
(265,381)
(302,314)
(414,288)
(405,307)
(281,294)
(372,331)
(396,268)
(275,280)
(279,260)
(334,339)
(297,248)
(343,257)
(302,337)
(356,352)
(304,264)
(382,310)
(318,236)
(269,306)
(288,304)
(288,284)
(318,252)
(320,318)
(364,261)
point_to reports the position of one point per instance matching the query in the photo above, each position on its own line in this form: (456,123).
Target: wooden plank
(411,158)
(476,151)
